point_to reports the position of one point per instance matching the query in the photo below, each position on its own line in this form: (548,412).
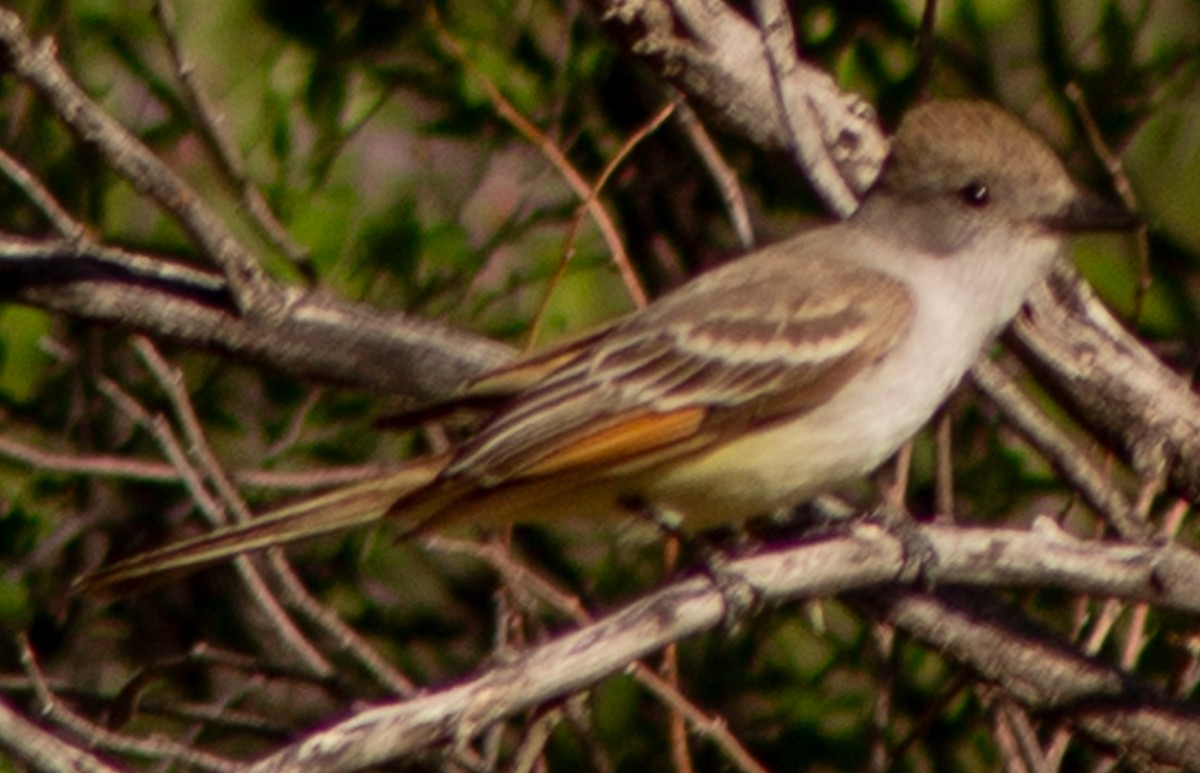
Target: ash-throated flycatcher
(756,385)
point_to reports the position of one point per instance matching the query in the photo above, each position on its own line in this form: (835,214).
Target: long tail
(350,507)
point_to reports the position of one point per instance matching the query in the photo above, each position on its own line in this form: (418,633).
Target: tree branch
(252,292)
(1047,676)
(1043,673)
(719,59)
(317,337)
(43,749)
(1110,381)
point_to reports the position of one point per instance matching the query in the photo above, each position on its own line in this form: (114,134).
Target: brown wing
(762,337)
(487,393)
(528,369)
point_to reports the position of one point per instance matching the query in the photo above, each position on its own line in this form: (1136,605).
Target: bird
(754,386)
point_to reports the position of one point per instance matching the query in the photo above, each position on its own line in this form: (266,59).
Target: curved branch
(864,558)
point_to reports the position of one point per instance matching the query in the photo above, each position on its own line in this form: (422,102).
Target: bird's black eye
(975,194)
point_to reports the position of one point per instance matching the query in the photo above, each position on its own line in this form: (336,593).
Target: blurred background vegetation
(370,129)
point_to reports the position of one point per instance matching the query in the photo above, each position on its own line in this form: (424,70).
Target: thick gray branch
(42,749)
(1044,674)
(718,58)
(314,336)
(1047,676)
(1116,386)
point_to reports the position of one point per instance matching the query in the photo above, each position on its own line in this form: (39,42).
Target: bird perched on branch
(754,386)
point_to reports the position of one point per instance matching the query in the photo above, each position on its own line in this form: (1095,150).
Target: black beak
(1089,212)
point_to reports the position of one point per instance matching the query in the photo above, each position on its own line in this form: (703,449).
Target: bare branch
(1060,449)
(155,749)
(277,630)
(1110,381)
(319,337)
(1048,676)
(866,557)
(42,749)
(211,129)
(252,291)
(718,59)
(713,728)
(721,172)
(67,227)
(104,466)
(277,569)
(527,582)
(791,93)
(555,155)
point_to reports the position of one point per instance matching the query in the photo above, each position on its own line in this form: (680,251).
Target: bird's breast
(856,429)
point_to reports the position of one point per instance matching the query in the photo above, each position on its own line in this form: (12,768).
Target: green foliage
(374,132)
(22,362)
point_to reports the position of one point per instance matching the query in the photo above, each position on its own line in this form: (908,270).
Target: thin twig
(883,637)
(294,595)
(516,574)
(576,222)
(1028,745)
(925,47)
(89,464)
(1135,633)
(105,466)
(44,751)
(342,636)
(154,749)
(67,226)
(668,669)
(713,728)
(198,448)
(295,426)
(945,463)
(631,142)
(211,129)
(529,755)
(38,66)
(1053,443)
(281,627)
(559,160)
(1116,170)
(1004,738)
(723,175)
(931,714)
